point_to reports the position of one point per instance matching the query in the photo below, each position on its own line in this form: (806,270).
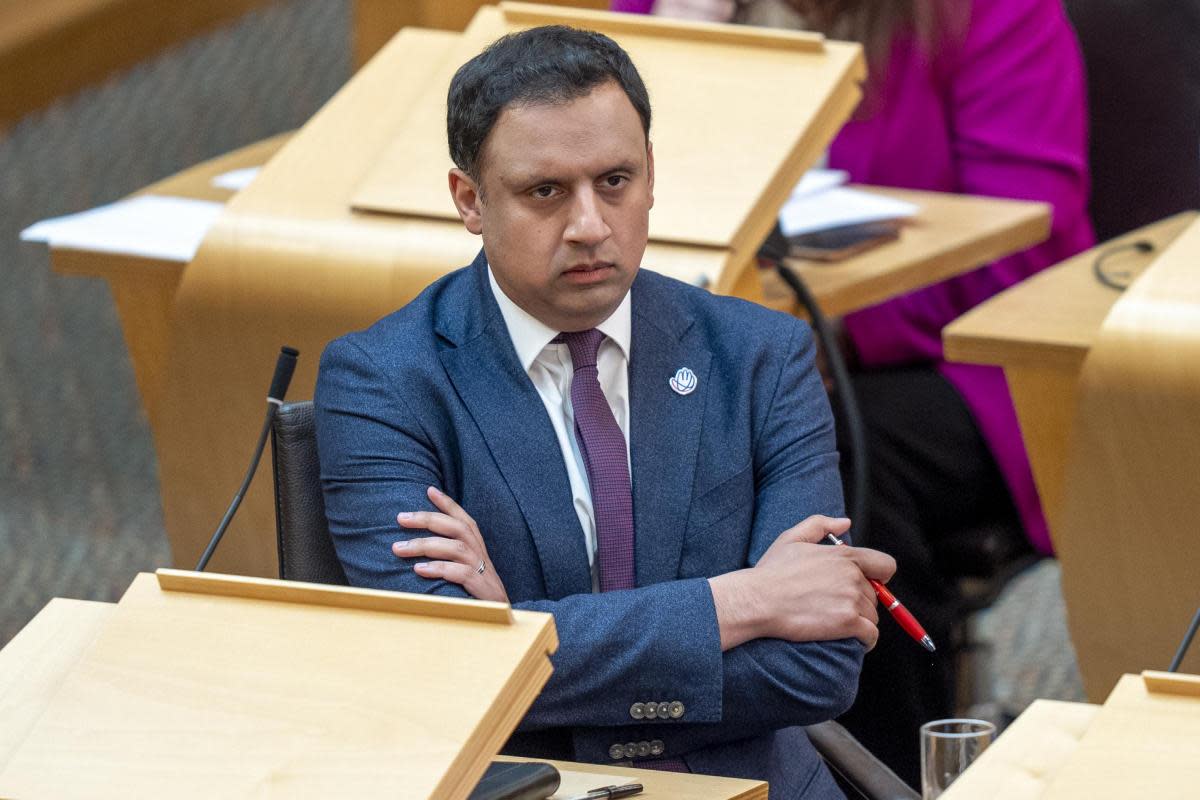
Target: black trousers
(931,476)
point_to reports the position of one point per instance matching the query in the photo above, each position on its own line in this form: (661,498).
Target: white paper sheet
(237,179)
(151,226)
(818,180)
(836,207)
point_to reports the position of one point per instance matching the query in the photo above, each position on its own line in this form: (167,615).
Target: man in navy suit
(553,427)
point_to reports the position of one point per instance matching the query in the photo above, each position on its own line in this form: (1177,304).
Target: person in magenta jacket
(987,100)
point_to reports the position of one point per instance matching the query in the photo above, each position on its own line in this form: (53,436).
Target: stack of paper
(821,202)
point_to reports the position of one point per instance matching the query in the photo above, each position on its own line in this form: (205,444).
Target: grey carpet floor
(79,506)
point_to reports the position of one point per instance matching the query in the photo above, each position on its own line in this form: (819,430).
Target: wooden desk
(1106,388)
(37,660)
(1137,744)
(951,234)
(1040,331)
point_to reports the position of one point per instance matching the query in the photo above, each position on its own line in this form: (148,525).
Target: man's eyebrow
(531,180)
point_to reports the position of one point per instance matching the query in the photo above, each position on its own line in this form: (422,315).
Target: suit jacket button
(656,747)
(637,710)
(616,752)
(630,749)
(643,749)
(676,710)
(664,711)
(650,710)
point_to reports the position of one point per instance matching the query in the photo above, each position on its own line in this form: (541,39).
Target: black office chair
(306,554)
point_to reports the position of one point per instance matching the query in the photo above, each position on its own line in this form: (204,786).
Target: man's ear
(650,171)
(466,195)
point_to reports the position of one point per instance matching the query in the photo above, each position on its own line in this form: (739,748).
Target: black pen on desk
(899,613)
(609,792)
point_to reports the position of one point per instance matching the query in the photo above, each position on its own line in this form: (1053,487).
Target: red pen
(899,613)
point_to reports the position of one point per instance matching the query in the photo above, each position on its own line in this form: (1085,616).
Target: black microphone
(1185,644)
(284,367)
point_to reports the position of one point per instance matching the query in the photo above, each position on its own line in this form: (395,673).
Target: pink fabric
(999,113)
(1002,114)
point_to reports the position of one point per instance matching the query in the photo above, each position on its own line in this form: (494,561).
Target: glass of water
(948,746)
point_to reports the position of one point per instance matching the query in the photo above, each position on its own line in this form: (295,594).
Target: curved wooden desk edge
(1132,510)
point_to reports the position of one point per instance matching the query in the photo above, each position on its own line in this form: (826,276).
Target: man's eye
(543,192)
(616,181)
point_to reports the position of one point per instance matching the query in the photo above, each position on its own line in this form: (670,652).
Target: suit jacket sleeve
(658,642)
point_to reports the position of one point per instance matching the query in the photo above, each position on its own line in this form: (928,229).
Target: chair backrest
(305,547)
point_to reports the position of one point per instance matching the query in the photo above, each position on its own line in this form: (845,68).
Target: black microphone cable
(773,252)
(285,365)
(1106,278)
(1185,644)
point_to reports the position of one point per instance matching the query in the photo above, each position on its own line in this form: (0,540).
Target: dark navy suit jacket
(434,395)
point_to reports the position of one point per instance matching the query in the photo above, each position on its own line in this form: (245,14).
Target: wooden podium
(218,686)
(203,685)
(1107,390)
(1143,742)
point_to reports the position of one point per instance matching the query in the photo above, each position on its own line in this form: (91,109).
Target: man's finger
(446,570)
(437,547)
(873,563)
(814,528)
(867,632)
(434,522)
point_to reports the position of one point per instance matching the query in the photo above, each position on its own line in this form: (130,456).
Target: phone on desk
(516,780)
(836,244)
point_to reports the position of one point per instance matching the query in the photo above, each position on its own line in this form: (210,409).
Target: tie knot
(584,345)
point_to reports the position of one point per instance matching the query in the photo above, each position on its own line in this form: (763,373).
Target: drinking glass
(948,746)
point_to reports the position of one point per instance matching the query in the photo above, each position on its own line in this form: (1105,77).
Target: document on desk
(149,226)
(838,207)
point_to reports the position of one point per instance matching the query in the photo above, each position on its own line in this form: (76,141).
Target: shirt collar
(530,336)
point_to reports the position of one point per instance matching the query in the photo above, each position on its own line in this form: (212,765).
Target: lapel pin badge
(683,381)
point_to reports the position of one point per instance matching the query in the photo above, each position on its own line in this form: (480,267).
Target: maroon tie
(607,462)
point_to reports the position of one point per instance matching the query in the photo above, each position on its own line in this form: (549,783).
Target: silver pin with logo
(683,381)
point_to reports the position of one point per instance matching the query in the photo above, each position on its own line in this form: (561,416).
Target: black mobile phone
(835,244)
(516,780)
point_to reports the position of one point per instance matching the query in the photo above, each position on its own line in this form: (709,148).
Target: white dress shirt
(549,366)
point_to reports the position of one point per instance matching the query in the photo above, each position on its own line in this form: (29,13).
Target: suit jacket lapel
(501,399)
(664,426)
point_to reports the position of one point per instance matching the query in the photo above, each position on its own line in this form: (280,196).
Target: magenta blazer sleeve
(1015,126)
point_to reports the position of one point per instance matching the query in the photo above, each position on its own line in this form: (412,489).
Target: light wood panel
(39,659)
(197,695)
(1028,755)
(35,662)
(1128,536)
(1040,331)
(49,48)
(786,92)
(1141,744)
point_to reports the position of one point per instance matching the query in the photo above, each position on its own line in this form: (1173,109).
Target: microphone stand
(284,366)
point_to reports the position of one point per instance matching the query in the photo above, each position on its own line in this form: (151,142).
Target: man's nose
(587,225)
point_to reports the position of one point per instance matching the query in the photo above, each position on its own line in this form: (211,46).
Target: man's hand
(461,556)
(803,591)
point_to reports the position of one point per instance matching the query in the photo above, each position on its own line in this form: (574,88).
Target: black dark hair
(551,64)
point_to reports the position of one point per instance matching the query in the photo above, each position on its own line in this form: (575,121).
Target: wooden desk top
(1051,319)
(952,234)
(35,663)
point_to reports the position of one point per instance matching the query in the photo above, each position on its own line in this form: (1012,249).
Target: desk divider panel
(234,687)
